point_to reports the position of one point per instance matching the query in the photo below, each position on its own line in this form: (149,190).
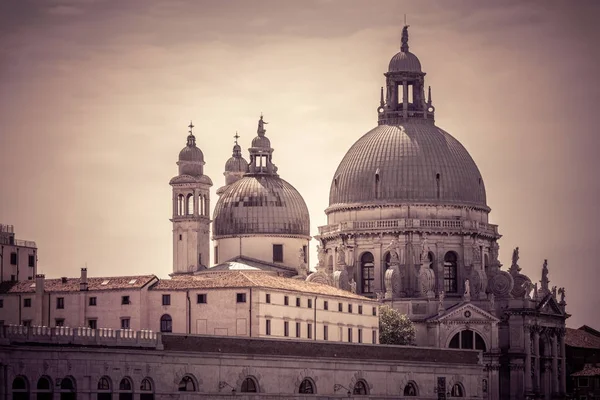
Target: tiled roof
(72,284)
(581,338)
(588,370)
(312,349)
(247,263)
(246,279)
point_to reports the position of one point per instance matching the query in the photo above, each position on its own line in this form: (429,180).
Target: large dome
(414,162)
(261,205)
(404,62)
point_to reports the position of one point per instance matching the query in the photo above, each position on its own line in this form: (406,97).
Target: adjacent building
(18,258)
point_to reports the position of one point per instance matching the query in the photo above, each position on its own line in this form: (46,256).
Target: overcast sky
(96,96)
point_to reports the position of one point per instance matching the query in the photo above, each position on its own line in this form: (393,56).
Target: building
(18,258)
(583,362)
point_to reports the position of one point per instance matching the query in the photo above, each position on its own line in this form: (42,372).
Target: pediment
(465,313)
(548,305)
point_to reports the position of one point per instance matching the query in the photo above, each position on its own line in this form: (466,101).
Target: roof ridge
(243,273)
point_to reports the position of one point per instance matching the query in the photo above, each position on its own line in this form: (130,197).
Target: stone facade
(18,258)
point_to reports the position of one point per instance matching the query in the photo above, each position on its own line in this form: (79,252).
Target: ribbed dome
(191,153)
(236,164)
(261,205)
(404,62)
(262,142)
(412,162)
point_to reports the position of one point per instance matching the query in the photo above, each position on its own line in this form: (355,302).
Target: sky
(96,96)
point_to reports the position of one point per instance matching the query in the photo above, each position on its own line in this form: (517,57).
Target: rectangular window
(277,253)
(374,311)
(359,335)
(360,308)
(286,328)
(216,254)
(325,333)
(179,236)
(92,323)
(268,326)
(340,307)
(297,329)
(26,322)
(286,301)
(268,298)
(309,303)
(349,335)
(92,301)
(309,331)
(31,260)
(27,303)
(341,334)
(201,298)
(125,300)
(13,278)
(583,382)
(166,299)
(374,336)
(240,297)
(59,322)
(297,301)
(305,252)
(350,308)
(124,323)
(13,259)
(1,303)
(325,305)
(60,302)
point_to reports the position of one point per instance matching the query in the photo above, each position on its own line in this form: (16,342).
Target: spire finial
(381,102)
(191,139)
(236,137)
(191,126)
(404,47)
(429,96)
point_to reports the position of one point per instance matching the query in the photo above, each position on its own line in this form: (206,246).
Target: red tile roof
(72,284)
(582,338)
(588,370)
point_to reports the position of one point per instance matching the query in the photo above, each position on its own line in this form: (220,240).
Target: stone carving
(441,303)
(501,284)
(425,252)
(340,280)
(527,286)
(393,249)
(514,267)
(320,257)
(427,282)
(319,277)
(545,281)
(492,302)
(494,263)
(518,291)
(478,283)
(261,126)
(554,291)
(535,291)
(561,292)
(467,294)
(341,255)
(353,286)
(380,296)
(476,255)
(393,282)
(302,267)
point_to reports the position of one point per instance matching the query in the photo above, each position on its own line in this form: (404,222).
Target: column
(555,376)
(527,345)
(536,352)
(405,99)
(563,363)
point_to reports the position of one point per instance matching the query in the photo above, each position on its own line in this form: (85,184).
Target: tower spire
(404,47)
(381,102)
(236,137)
(191,139)
(429,96)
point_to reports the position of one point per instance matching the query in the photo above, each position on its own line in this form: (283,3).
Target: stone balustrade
(13,334)
(412,224)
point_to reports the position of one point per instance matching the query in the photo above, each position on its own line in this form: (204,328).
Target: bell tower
(191,210)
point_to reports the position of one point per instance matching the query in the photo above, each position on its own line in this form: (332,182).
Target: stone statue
(492,301)
(341,254)
(380,296)
(442,295)
(353,286)
(561,291)
(545,280)
(554,291)
(514,268)
(321,256)
(467,288)
(527,285)
(424,251)
(261,125)
(301,256)
(535,291)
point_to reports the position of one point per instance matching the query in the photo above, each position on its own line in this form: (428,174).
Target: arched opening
(187,384)
(410,389)
(367,268)
(467,339)
(189,209)
(360,388)
(20,388)
(249,386)
(330,262)
(125,389)
(450,272)
(166,323)
(486,262)
(104,389)
(430,258)
(307,387)
(180,205)
(67,389)
(44,388)
(377,185)
(146,390)
(457,390)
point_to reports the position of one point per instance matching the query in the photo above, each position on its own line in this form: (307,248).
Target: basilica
(407,226)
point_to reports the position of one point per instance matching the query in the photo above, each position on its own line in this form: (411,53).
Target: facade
(583,362)
(86,364)
(18,258)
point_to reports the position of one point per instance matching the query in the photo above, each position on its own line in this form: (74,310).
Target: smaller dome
(189,153)
(404,62)
(261,142)
(236,164)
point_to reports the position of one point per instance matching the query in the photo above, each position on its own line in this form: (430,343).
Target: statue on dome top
(514,268)
(261,126)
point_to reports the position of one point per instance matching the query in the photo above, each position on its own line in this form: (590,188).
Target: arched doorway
(367,268)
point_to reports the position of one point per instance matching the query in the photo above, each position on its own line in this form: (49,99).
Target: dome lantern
(191,159)
(261,153)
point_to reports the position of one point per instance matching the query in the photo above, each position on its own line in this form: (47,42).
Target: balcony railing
(411,223)
(17,242)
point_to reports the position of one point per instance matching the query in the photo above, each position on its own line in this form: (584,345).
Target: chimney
(83,283)
(39,284)
(39,300)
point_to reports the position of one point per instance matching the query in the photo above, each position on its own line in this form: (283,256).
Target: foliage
(395,328)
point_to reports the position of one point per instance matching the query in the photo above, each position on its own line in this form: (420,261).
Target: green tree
(395,328)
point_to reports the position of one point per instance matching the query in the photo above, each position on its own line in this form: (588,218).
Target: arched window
(166,323)
(360,388)
(306,387)
(187,384)
(249,386)
(457,390)
(189,209)
(467,339)
(125,389)
(104,389)
(146,390)
(180,205)
(410,389)
(20,388)
(367,268)
(67,389)
(44,388)
(486,262)
(450,272)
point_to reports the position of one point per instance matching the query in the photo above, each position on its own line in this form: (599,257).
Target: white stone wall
(260,247)
(20,271)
